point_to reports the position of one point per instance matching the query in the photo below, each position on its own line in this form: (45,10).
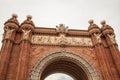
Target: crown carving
(62,28)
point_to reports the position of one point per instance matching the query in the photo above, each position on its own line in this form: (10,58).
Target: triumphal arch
(33,53)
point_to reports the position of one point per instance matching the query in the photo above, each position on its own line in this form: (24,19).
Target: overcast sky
(72,13)
(59,76)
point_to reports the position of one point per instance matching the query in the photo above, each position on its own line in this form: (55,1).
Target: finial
(13,19)
(103,22)
(29,17)
(14,16)
(28,22)
(91,21)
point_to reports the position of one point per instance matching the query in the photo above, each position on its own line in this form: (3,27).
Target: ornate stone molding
(77,59)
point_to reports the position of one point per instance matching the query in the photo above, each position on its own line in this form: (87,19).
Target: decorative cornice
(8,40)
(52,31)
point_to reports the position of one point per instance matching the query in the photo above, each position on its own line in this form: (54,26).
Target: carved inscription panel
(61,40)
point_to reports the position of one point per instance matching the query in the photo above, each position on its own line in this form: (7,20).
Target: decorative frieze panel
(61,40)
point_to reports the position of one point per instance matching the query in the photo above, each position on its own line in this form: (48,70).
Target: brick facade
(32,53)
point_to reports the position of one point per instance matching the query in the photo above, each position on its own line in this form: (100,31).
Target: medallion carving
(62,40)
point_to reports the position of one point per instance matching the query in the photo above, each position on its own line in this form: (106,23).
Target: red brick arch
(65,57)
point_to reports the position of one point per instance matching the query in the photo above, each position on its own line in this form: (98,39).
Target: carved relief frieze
(61,40)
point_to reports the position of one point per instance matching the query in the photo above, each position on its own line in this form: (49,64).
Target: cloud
(62,77)
(59,76)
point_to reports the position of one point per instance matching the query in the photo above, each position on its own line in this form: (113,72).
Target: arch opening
(64,62)
(66,66)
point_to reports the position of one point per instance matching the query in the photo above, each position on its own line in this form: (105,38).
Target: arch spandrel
(87,67)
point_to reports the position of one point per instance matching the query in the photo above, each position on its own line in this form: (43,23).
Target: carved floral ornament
(62,40)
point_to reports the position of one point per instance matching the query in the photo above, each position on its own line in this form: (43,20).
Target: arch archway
(66,62)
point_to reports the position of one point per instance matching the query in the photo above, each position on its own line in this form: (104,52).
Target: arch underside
(67,67)
(65,62)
